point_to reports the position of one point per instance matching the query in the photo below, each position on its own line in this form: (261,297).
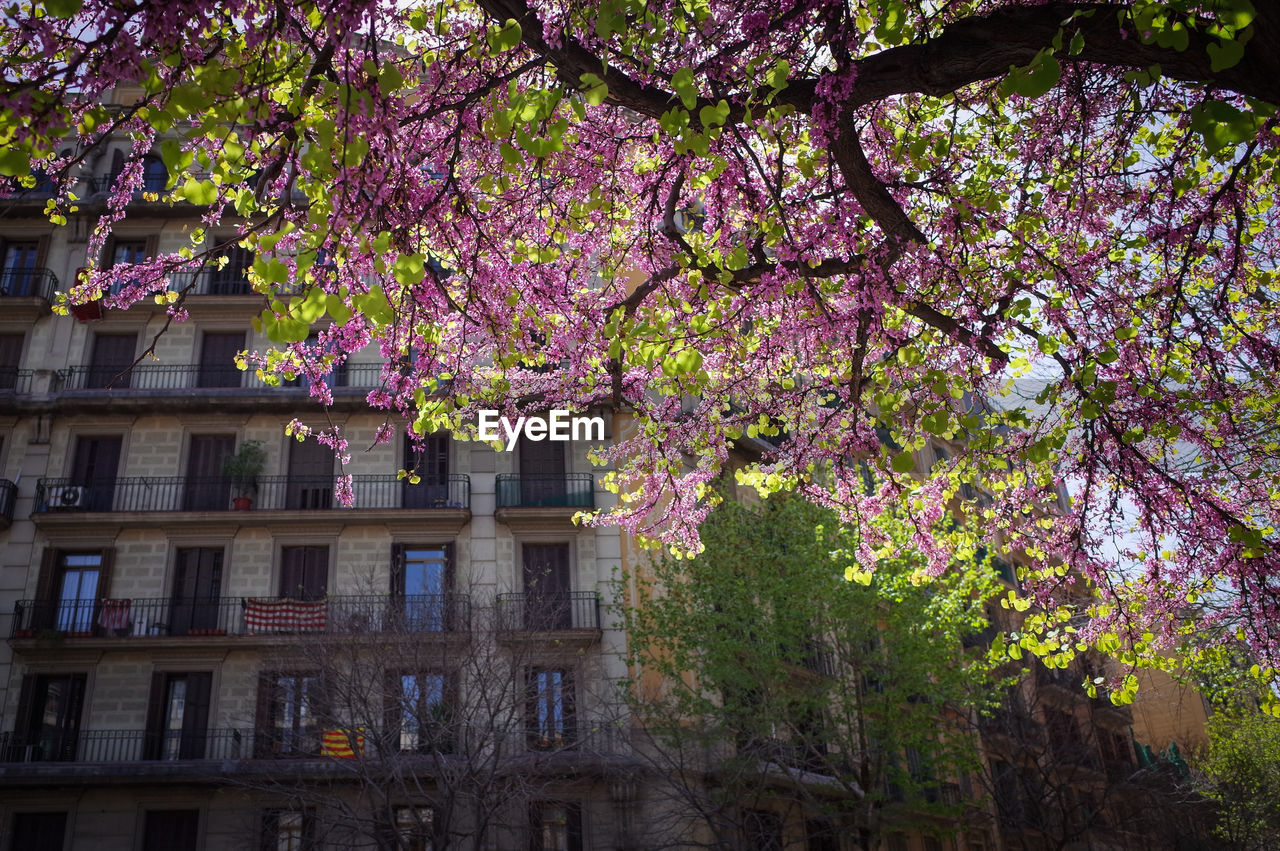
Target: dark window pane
(39,831)
(171,830)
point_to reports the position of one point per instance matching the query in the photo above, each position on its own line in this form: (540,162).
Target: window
(420,711)
(555,827)
(288,830)
(195,608)
(231,277)
(310,476)
(154,174)
(542,468)
(413,828)
(549,712)
(430,462)
(547,601)
(304,572)
(821,834)
(20,269)
(421,579)
(77,592)
(39,831)
(10,360)
(218,353)
(178,715)
(48,722)
(111,360)
(207,489)
(763,830)
(288,710)
(171,830)
(93,474)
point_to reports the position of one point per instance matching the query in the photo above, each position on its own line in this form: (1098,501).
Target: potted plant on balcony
(243,469)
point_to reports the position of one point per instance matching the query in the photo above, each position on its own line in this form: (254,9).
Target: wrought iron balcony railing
(124,746)
(148,377)
(547,611)
(14,380)
(38,282)
(164,617)
(574,490)
(288,493)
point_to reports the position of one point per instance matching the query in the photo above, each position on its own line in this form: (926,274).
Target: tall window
(413,828)
(288,709)
(430,463)
(549,710)
(195,608)
(10,360)
(178,715)
(171,830)
(288,830)
(542,468)
(39,831)
(310,476)
(232,276)
(93,471)
(218,351)
(48,721)
(110,362)
(421,711)
(304,572)
(19,269)
(555,827)
(207,489)
(546,587)
(421,579)
(79,578)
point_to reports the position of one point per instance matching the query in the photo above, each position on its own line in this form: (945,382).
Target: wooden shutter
(397,569)
(264,730)
(44,582)
(217,359)
(195,718)
(106,568)
(24,722)
(153,743)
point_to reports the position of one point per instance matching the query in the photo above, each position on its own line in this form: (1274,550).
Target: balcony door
(178,716)
(550,708)
(206,488)
(546,587)
(431,464)
(217,359)
(94,469)
(542,479)
(49,708)
(10,359)
(310,476)
(421,579)
(110,362)
(197,584)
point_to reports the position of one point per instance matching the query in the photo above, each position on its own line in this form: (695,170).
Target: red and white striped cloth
(115,614)
(275,615)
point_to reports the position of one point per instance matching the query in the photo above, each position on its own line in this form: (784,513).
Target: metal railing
(15,380)
(162,617)
(8,497)
(124,746)
(150,183)
(146,377)
(38,282)
(574,490)
(214,493)
(549,611)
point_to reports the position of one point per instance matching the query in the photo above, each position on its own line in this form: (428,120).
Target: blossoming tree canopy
(858,230)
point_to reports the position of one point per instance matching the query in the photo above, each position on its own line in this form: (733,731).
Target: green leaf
(337,308)
(409,269)
(62,8)
(714,116)
(903,462)
(14,162)
(595,89)
(374,306)
(504,38)
(1225,55)
(683,85)
(682,363)
(200,192)
(1036,79)
(776,77)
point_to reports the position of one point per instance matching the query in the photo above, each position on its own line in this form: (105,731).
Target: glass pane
(78,592)
(175,708)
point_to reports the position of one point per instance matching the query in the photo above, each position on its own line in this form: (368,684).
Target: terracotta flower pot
(90,311)
(241,503)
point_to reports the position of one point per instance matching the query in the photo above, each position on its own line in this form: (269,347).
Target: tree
(768,684)
(829,223)
(1241,772)
(416,722)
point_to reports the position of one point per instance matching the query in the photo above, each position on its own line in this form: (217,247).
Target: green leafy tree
(771,683)
(1242,776)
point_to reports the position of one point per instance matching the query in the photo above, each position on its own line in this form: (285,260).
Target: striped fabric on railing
(267,616)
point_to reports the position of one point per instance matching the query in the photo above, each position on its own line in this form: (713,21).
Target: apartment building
(199,660)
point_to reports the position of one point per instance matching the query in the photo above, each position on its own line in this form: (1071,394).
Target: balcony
(108,746)
(1061,680)
(8,497)
(1014,725)
(534,498)
(147,379)
(15,381)
(37,283)
(117,619)
(278,499)
(568,615)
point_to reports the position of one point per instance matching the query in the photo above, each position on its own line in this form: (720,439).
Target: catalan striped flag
(343,744)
